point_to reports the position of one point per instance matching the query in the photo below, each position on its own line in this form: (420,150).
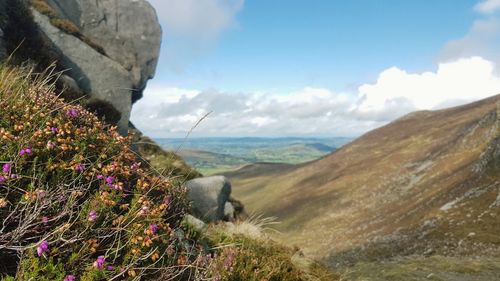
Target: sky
(321,68)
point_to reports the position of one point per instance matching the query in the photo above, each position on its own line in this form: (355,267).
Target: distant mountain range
(428,184)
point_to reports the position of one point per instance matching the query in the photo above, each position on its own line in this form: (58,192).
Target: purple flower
(92,216)
(42,248)
(40,194)
(134,166)
(99,262)
(73,112)
(70,278)
(167,200)
(45,219)
(6,168)
(54,130)
(144,210)
(50,145)
(14,176)
(110,180)
(100,177)
(80,168)
(2,178)
(110,268)
(153,228)
(25,151)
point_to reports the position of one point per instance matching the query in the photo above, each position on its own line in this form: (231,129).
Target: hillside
(426,184)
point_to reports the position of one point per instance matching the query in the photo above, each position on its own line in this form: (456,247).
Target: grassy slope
(380,196)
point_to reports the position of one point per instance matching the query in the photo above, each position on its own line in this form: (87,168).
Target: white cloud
(487,6)
(311,111)
(482,39)
(461,80)
(200,19)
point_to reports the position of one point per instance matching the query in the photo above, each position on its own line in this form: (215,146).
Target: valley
(217,155)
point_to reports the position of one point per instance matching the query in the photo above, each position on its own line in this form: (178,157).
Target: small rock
(229,212)
(195,223)
(209,196)
(472,234)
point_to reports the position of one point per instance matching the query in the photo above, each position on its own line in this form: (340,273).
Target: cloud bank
(166,111)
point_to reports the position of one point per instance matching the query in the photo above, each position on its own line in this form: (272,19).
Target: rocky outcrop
(211,198)
(110,48)
(128,31)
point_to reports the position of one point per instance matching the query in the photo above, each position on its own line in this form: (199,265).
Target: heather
(75,200)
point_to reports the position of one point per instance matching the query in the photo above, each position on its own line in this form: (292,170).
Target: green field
(216,155)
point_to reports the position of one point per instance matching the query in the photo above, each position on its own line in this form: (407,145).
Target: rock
(209,196)
(95,73)
(229,212)
(111,48)
(195,223)
(128,31)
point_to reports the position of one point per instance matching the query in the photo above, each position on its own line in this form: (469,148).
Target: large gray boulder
(128,31)
(129,34)
(95,73)
(209,196)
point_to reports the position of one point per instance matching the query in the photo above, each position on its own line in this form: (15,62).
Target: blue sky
(315,67)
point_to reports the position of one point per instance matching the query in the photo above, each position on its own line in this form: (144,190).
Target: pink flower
(79,168)
(25,151)
(144,210)
(70,278)
(73,112)
(50,145)
(153,228)
(2,178)
(54,130)
(92,216)
(99,262)
(45,219)
(100,177)
(6,168)
(134,166)
(41,194)
(110,180)
(42,248)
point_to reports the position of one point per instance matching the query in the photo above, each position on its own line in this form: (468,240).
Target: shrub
(74,200)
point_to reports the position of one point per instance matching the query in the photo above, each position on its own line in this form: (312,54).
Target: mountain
(425,184)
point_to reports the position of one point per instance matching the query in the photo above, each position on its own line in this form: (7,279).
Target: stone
(229,212)
(209,196)
(95,73)
(195,223)
(128,31)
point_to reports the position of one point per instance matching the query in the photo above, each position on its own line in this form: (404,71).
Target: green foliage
(32,268)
